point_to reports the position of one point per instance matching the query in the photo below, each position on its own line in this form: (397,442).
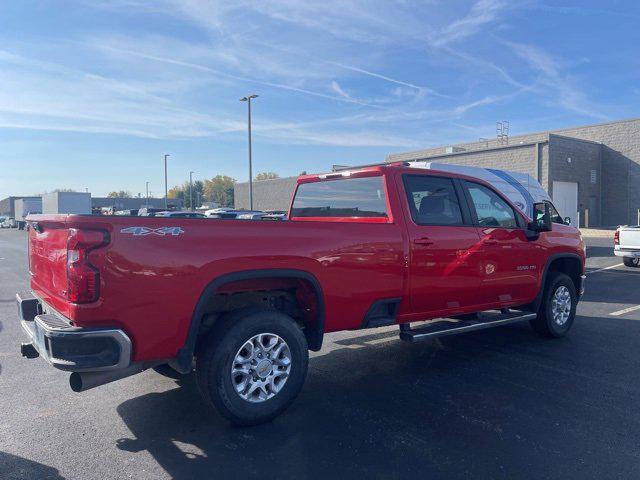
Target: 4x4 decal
(140,231)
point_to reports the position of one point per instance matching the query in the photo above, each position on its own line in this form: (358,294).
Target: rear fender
(314,334)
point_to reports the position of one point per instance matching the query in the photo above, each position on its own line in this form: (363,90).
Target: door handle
(490,241)
(423,241)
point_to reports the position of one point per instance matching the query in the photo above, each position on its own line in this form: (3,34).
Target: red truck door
(510,262)
(444,266)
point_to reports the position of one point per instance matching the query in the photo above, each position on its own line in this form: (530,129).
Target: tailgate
(630,238)
(48,260)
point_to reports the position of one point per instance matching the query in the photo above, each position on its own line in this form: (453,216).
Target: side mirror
(541,218)
(567,220)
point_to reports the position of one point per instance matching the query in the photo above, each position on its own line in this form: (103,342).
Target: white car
(8,222)
(180,214)
(626,242)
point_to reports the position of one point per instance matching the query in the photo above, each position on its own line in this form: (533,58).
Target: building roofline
(294,177)
(546,133)
(575,139)
(613,122)
(459,154)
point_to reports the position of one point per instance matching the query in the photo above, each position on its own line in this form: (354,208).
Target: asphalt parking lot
(500,403)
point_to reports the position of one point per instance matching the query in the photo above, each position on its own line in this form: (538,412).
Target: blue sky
(94,92)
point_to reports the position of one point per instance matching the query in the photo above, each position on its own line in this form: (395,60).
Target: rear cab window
(354,199)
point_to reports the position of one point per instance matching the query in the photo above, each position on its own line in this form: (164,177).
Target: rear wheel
(558,309)
(631,261)
(252,367)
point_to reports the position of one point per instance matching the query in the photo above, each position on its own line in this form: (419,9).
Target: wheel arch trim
(314,336)
(543,282)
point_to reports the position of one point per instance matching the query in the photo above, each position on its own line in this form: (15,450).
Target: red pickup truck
(242,301)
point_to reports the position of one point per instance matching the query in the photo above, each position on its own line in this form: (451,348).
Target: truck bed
(629,238)
(153,270)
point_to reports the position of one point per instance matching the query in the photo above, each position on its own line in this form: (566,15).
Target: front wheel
(631,261)
(558,309)
(253,366)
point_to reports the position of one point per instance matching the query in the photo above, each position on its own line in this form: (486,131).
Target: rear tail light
(83,279)
(616,238)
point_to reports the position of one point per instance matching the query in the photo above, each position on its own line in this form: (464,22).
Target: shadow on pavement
(595,251)
(608,287)
(13,467)
(481,405)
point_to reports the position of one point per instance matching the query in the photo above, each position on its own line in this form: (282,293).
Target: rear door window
(348,197)
(432,200)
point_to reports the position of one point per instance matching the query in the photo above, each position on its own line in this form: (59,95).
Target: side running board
(450,326)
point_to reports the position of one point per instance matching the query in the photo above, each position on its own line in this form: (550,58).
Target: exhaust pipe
(81,381)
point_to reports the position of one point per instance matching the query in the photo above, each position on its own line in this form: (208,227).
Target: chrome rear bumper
(71,348)
(627,253)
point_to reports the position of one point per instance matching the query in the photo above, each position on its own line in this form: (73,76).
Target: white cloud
(335,86)
(482,13)
(538,59)
(365,65)
(555,82)
(77,101)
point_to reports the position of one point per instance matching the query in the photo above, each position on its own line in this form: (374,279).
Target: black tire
(544,323)
(631,261)
(216,356)
(166,371)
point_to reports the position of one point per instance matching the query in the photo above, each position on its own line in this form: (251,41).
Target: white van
(522,189)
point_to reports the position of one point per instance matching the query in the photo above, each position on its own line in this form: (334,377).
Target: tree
(220,190)
(55,190)
(182,192)
(175,192)
(266,176)
(119,194)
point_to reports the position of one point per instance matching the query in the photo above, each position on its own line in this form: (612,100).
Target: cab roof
(380,169)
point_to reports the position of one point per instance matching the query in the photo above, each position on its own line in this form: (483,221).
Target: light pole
(166,190)
(147,193)
(248,100)
(191,191)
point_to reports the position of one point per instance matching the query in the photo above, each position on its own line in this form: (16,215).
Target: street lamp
(248,100)
(147,188)
(166,190)
(191,190)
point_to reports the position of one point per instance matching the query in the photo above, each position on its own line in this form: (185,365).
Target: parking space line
(625,310)
(606,268)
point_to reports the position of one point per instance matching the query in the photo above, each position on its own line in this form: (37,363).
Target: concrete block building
(272,194)
(8,205)
(591,172)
